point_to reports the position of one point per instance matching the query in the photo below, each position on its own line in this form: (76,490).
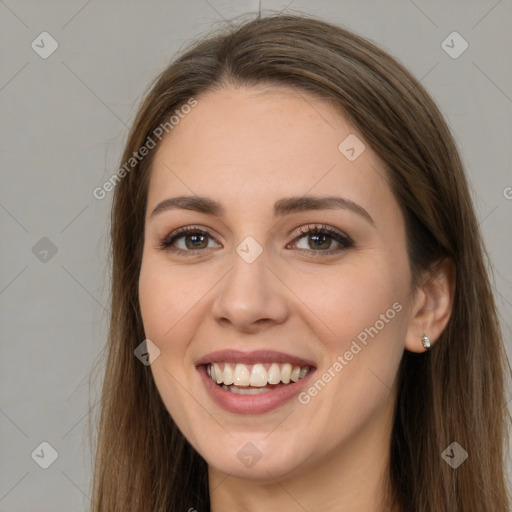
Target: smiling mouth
(246,379)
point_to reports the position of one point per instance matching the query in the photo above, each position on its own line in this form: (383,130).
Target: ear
(432,305)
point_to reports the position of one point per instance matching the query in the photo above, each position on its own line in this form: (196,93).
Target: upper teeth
(244,375)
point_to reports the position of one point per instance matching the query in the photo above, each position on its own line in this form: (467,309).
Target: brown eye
(186,240)
(320,239)
(196,241)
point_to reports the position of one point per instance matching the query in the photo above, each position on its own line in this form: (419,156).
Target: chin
(262,461)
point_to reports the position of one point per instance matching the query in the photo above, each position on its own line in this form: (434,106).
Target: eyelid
(311,228)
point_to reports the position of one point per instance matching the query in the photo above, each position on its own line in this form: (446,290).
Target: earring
(426,342)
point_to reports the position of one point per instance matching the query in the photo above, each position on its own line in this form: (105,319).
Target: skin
(247,148)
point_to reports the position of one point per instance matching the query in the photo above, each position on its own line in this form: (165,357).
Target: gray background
(64,120)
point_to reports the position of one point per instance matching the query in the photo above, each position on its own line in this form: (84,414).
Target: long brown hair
(454,393)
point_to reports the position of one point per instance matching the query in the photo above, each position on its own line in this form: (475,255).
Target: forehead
(251,146)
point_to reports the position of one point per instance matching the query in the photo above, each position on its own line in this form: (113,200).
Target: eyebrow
(281,208)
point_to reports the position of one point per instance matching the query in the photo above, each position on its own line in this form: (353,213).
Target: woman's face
(274,283)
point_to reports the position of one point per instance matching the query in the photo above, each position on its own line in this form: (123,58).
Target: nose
(251,297)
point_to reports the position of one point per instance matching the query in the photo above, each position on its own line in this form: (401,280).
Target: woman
(298,268)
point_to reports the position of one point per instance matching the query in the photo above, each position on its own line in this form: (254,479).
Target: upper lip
(253,357)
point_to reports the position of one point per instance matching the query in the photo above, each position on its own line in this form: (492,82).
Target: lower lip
(252,404)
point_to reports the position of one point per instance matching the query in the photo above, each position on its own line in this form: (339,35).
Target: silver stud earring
(426,342)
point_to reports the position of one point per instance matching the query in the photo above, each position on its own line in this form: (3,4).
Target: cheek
(351,300)
(168,315)
(167,299)
(361,313)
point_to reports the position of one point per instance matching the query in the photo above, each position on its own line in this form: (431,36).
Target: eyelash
(344,240)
